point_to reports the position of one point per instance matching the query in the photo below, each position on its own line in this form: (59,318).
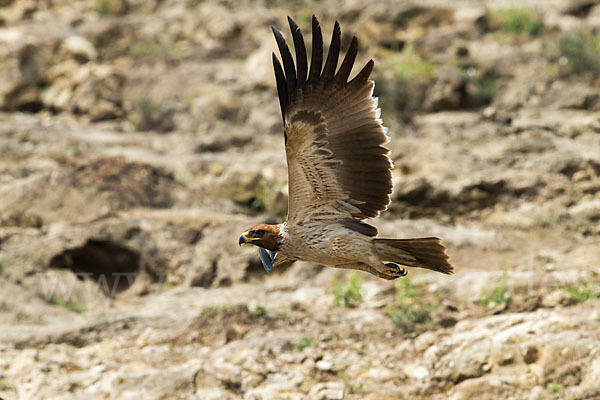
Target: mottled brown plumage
(338,168)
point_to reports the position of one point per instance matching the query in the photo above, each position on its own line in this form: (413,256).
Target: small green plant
(153,115)
(260,197)
(109,7)
(407,64)
(576,52)
(70,305)
(261,311)
(554,388)
(406,290)
(517,21)
(74,149)
(304,343)
(1,263)
(354,389)
(409,312)
(349,294)
(582,293)
(143,50)
(402,82)
(486,87)
(499,293)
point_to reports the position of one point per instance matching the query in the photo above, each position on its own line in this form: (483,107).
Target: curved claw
(266,257)
(396,270)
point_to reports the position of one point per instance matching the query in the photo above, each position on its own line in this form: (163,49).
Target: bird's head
(263,235)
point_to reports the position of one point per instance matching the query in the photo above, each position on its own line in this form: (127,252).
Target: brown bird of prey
(339,171)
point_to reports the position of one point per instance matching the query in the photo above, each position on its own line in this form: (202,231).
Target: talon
(396,270)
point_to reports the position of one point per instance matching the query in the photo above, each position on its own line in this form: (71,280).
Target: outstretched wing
(337,164)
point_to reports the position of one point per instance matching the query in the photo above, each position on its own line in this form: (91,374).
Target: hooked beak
(245,239)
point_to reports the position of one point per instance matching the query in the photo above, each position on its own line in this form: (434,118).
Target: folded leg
(387,271)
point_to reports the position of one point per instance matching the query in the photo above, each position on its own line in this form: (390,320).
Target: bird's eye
(259,232)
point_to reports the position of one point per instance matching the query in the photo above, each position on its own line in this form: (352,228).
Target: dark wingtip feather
(348,63)
(286,58)
(282,92)
(364,73)
(316,59)
(300,48)
(334,52)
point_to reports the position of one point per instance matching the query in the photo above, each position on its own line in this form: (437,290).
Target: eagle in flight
(339,171)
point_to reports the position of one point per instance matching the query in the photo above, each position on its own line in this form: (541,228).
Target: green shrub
(143,50)
(70,305)
(304,343)
(402,81)
(582,293)
(110,7)
(554,388)
(74,149)
(349,294)
(576,52)
(486,87)
(411,308)
(260,311)
(354,389)
(516,21)
(499,294)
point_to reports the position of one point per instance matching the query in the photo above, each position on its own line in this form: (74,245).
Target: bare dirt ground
(138,139)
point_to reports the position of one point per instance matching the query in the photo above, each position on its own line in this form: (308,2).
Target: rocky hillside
(138,139)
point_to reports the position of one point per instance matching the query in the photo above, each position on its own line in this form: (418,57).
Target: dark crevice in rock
(113,266)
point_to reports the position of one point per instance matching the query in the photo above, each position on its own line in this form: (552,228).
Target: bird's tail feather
(426,253)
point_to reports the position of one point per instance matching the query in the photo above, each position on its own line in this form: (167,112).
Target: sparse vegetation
(407,64)
(499,294)
(261,311)
(1,263)
(70,305)
(516,21)
(349,294)
(575,52)
(74,149)
(304,343)
(554,388)
(582,293)
(143,50)
(260,197)
(486,87)
(153,115)
(109,7)
(411,309)
(402,81)
(355,388)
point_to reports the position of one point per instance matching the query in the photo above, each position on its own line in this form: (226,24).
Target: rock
(14,11)
(327,391)
(23,64)
(575,95)
(95,90)
(478,389)
(448,92)
(325,364)
(85,190)
(578,8)
(81,49)
(587,209)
